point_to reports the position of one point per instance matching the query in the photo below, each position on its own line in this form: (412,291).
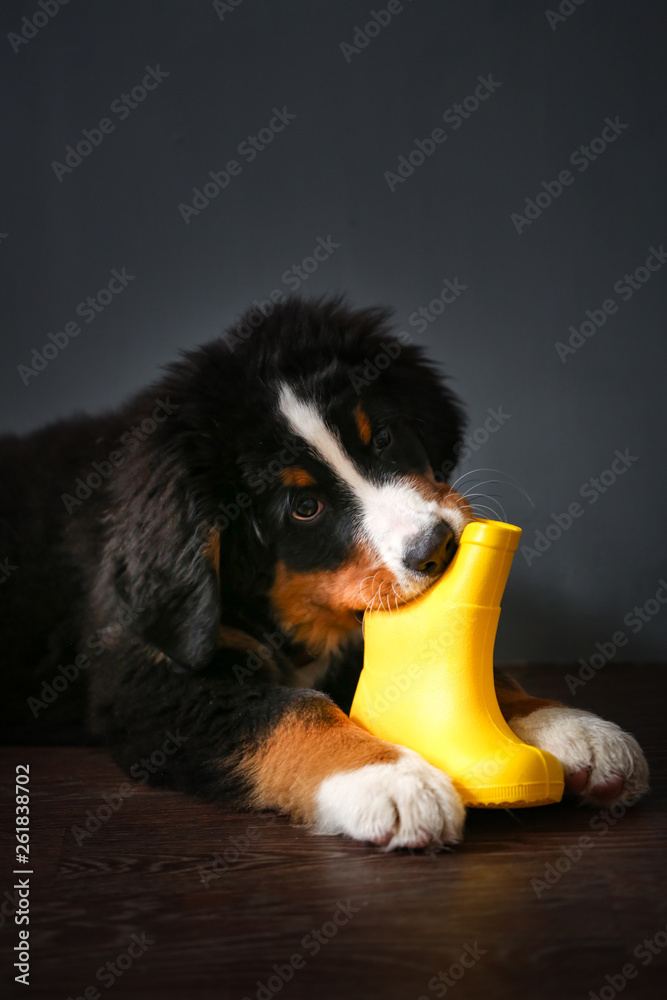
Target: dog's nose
(432,552)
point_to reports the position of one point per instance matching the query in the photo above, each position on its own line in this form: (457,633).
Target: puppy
(191,572)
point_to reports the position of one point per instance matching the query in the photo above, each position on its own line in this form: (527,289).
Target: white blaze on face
(393,514)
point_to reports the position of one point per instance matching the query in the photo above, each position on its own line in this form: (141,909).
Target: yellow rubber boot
(427,681)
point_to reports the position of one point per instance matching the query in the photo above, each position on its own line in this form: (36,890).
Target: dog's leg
(272,747)
(600,760)
(323,770)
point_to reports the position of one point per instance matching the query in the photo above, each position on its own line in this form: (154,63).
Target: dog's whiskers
(492,499)
(489,511)
(507,481)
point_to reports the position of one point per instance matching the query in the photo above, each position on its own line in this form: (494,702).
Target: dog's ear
(160,567)
(406,375)
(433,409)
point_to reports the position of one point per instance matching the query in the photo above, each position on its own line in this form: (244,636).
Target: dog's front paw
(600,760)
(408,803)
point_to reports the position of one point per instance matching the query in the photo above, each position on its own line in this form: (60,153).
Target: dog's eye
(307,508)
(382,439)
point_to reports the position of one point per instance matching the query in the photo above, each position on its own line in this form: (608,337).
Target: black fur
(121,579)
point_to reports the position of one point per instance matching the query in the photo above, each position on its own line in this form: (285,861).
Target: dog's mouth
(423,560)
(387,596)
(324,606)
(384,592)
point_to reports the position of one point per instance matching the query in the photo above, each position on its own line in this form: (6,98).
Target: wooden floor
(285,913)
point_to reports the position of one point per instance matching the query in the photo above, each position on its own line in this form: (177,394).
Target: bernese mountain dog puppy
(194,568)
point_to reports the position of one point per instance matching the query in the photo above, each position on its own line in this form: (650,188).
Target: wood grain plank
(220,928)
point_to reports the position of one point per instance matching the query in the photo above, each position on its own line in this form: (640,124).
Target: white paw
(405,804)
(600,760)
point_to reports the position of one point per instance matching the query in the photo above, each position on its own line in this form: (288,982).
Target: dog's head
(302,470)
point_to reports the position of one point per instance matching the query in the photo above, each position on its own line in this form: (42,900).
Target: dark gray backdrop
(552,79)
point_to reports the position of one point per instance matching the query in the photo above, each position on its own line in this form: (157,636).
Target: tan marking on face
(447,498)
(363,423)
(391,511)
(323,606)
(211,550)
(310,743)
(292,476)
